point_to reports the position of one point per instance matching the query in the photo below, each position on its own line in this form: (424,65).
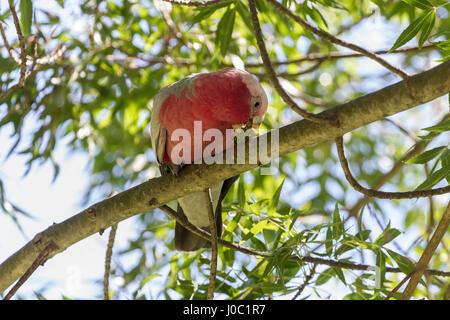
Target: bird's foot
(170,168)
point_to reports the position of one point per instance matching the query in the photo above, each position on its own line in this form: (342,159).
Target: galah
(222,100)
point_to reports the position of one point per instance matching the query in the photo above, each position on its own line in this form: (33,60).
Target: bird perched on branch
(192,116)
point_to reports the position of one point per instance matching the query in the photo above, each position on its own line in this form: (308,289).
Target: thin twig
(5,40)
(402,128)
(112,235)
(306,282)
(163,8)
(427,254)
(251,251)
(382,194)
(335,40)
(212,228)
(416,150)
(23,55)
(40,260)
(338,55)
(310,69)
(348,27)
(398,286)
(312,100)
(271,72)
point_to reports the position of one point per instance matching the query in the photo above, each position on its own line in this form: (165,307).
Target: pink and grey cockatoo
(226,99)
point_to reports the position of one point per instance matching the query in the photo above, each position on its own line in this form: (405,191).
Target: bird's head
(234,96)
(258,100)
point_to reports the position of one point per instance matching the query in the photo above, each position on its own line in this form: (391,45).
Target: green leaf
(245,15)
(405,265)
(338,227)
(427,155)
(441,127)
(205,13)
(430,136)
(387,236)
(434,178)
(325,276)
(26,16)
(333,4)
(340,274)
(343,248)
(257,228)
(317,17)
(410,31)
(421,4)
(329,242)
(241,191)
(147,279)
(275,200)
(225,30)
(445,162)
(380,272)
(5,15)
(61,3)
(363,235)
(426,29)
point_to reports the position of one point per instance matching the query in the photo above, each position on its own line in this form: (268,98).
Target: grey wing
(157,131)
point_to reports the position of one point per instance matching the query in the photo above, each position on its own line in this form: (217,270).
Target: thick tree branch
(152,194)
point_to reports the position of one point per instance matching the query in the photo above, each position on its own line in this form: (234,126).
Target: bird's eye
(256,102)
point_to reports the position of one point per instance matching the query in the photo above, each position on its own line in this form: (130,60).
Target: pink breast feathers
(198,117)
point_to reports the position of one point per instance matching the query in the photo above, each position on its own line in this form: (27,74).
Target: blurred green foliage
(120,53)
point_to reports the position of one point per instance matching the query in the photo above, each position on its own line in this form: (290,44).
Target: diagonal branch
(154,193)
(23,54)
(306,282)
(39,261)
(398,286)
(271,72)
(427,254)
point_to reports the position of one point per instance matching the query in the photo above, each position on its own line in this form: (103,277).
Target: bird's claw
(170,168)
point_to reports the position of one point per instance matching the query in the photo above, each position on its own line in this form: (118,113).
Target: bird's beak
(249,124)
(256,122)
(253,122)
